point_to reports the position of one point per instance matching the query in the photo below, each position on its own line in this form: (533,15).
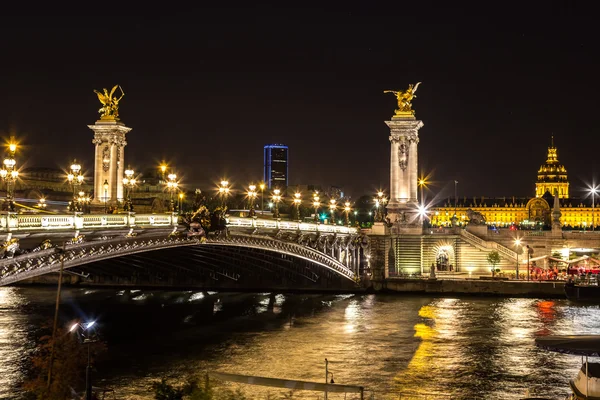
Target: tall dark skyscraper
(276,166)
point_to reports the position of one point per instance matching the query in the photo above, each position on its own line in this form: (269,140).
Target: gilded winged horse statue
(405,99)
(110,103)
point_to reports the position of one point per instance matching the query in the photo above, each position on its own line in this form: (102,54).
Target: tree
(68,367)
(493,258)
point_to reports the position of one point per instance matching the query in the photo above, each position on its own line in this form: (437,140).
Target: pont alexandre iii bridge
(155,251)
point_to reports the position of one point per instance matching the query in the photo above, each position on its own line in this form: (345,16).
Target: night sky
(206,89)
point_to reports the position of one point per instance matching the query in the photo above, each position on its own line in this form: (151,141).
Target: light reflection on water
(465,347)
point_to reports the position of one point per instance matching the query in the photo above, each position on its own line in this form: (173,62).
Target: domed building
(533,212)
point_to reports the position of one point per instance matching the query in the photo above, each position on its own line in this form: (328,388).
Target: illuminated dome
(552,176)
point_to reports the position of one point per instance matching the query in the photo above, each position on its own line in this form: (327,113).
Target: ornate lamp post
(180,202)
(172,187)
(41,204)
(262,198)
(276,199)
(83,201)
(251,198)
(75,178)
(316,204)
(379,204)
(224,192)
(129,182)
(332,208)
(9,175)
(593,190)
(297,202)
(517,245)
(163,171)
(347,211)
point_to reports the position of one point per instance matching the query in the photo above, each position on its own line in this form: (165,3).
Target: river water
(451,347)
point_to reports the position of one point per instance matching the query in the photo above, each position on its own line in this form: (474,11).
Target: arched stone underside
(232,262)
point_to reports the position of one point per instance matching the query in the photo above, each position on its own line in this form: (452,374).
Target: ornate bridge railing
(13,222)
(288,225)
(41,262)
(290,248)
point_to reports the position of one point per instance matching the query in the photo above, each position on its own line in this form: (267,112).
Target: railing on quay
(13,222)
(287,225)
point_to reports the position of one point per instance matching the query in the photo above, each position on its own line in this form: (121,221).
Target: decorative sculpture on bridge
(110,104)
(405,99)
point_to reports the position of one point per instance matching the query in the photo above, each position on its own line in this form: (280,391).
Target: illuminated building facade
(526,212)
(276,166)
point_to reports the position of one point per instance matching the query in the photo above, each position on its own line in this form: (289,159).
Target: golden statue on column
(405,99)
(110,103)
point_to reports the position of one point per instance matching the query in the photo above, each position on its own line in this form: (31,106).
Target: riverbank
(473,286)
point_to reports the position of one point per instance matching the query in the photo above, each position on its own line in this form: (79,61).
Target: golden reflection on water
(11,339)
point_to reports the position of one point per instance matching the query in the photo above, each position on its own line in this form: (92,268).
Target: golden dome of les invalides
(506,211)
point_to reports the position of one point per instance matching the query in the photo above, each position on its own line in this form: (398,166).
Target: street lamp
(297,202)
(87,336)
(327,373)
(262,197)
(83,201)
(251,198)
(347,211)
(105,186)
(75,178)
(422,182)
(276,199)
(9,174)
(129,182)
(593,190)
(379,204)
(172,187)
(224,192)
(180,202)
(517,245)
(332,208)
(316,204)
(41,203)
(163,171)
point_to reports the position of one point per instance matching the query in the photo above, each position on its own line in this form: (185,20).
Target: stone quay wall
(479,287)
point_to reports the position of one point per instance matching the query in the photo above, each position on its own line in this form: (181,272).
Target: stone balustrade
(12,222)
(288,225)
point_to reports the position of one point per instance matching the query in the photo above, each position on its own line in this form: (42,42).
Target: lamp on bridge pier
(276,199)
(332,208)
(297,202)
(129,182)
(224,192)
(172,187)
(316,204)
(251,198)
(9,174)
(347,210)
(380,201)
(75,179)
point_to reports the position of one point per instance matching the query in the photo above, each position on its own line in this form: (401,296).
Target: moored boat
(586,385)
(582,292)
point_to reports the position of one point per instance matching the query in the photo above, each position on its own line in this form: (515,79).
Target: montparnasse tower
(552,176)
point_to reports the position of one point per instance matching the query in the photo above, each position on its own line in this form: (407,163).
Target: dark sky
(207,88)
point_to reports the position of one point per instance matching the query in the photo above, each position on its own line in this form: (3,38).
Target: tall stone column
(404,174)
(109,139)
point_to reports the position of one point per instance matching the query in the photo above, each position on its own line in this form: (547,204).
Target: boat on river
(582,291)
(586,385)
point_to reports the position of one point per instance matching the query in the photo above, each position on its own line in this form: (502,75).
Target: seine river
(453,347)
